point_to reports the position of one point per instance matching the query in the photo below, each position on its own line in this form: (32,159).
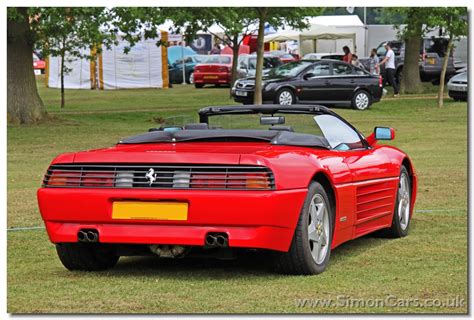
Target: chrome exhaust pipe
(211,240)
(221,241)
(81,236)
(92,236)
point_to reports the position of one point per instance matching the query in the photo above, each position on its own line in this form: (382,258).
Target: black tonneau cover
(274,137)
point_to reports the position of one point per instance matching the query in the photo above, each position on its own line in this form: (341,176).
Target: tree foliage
(453,23)
(235,23)
(293,17)
(65,32)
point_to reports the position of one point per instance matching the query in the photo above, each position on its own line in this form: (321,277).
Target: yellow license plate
(431,61)
(141,210)
(211,77)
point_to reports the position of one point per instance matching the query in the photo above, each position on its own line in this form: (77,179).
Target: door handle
(352,81)
(327,82)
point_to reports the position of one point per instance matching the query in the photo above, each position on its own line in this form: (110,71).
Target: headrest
(282,128)
(196,126)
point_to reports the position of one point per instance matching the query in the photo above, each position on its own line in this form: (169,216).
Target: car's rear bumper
(264,219)
(458,95)
(211,78)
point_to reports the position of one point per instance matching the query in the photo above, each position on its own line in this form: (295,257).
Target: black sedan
(327,82)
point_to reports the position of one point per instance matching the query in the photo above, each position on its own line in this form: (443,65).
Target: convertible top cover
(273,136)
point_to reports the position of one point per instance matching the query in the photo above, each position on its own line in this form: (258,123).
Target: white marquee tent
(145,66)
(308,39)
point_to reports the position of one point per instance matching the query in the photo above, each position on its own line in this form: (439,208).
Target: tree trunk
(235,58)
(411,81)
(257,98)
(443,72)
(62,78)
(24,105)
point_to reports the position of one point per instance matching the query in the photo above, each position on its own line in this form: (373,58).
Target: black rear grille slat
(201,177)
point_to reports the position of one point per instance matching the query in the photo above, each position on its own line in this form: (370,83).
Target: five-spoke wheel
(318,228)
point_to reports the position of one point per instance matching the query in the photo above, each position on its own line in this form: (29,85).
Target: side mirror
(309,75)
(381,133)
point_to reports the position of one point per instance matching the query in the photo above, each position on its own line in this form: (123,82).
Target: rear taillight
(231,181)
(62,178)
(380,82)
(98,179)
(59,178)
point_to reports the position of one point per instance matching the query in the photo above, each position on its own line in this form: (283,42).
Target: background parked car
(284,56)
(320,56)
(432,52)
(176,69)
(457,87)
(215,70)
(327,82)
(38,64)
(248,63)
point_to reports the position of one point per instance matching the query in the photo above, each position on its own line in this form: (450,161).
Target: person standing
(347,55)
(356,63)
(216,49)
(373,62)
(389,61)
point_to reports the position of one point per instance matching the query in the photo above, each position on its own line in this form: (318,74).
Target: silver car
(247,65)
(457,87)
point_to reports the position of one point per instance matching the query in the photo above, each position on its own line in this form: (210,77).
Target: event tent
(308,38)
(144,66)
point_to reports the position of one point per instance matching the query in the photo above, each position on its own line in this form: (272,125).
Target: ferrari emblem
(151,176)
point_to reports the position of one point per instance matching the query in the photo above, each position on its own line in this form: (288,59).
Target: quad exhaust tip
(88,236)
(216,240)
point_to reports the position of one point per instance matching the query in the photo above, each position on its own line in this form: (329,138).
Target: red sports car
(216,69)
(283,56)
(38,64)
(180,190)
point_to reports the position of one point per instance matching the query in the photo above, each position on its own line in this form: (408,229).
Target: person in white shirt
(389,61)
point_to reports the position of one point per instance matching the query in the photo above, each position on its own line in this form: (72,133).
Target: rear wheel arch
(325,181)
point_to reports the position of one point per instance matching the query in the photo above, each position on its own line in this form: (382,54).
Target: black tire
(397,230)
(399,75)
(86,257)
(364,103)
(188,78)
(298,259)
(288,93)
(198,85)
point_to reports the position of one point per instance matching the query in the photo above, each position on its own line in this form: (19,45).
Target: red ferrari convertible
(178,190)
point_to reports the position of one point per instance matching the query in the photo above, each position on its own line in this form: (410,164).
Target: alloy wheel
(318,228)
(403,201)
(362,101)
(285,98)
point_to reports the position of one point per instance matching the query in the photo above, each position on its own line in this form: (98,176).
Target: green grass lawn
(431,263)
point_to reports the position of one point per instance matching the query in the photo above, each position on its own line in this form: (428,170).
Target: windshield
(289,69)
(268,63)
(215,59)
(339,135)
(199,58)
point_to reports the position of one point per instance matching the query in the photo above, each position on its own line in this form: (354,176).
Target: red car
(38,64)
(284,56)
(215,70)
(179,190)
